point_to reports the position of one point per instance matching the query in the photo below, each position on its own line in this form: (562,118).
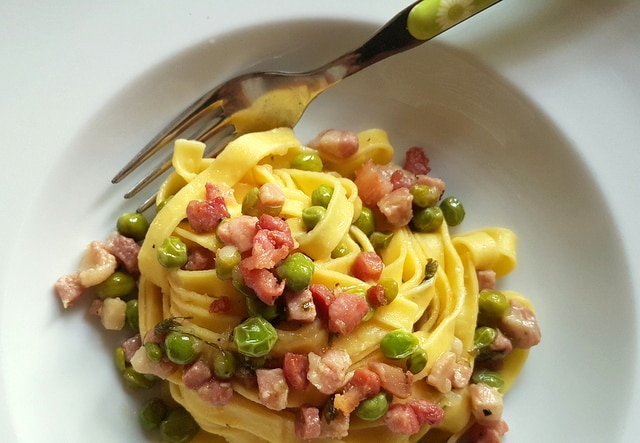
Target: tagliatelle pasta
(286,292)
(440,310)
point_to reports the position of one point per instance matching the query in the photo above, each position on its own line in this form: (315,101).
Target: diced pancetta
(501,344)
(204,216)
(393,379)
(376,296)
(199,259)
(97,264)
(307,425)
(295,367)
(401,419)
(363,384)
(521,326)
(264,283)
(338,427)
(367,266)
(239,232)
(416,161)
(486,279)
(270,197)
(427,412)
(401,178)
(271,223)
(216,392)
(372,183)
(337,143)
(328,373)
(273,390)
(268,249)
(300,306)
(322,299)
(113,314)
(125,250)
(196,374)
(69,289)
(407,418)
(397,207)
(346,313)
(130,346)
(95,307)
(220,305)
(486,403)
(447,373)
(489,433)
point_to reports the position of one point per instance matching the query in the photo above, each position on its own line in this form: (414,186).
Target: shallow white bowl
(497,152)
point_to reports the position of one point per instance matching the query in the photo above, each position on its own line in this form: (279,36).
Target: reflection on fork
(266,100)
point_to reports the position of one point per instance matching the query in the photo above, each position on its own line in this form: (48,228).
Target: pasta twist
(440,310)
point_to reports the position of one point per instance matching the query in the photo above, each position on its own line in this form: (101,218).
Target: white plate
(528,113)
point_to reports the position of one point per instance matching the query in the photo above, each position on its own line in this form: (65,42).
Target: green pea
(452,210)
(119,284)
(380,240)
(178,427)
(119,358)
(227,258)
(250,202)
(238,282)
(258,308)
(398,344)
(255,337)
(366,221)
(224,364)
(154,351)
(136,380)
(390,288)
(307,161)
(373,408)
(296,270)
(417,361)
(427,219)
(172,253)
(424,195)
(492,305)
(483,337)
(132,315)
(182,348)
(321,196)
(340,251)
(273,210)
(491,378)
(312,215)
(151,414)
(133,225)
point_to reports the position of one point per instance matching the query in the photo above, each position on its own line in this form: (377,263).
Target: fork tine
(226,133)
(183,121)
(147,203)
(203,135)
(157,172)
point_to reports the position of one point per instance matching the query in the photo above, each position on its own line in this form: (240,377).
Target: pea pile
(493,305)
(173,424)
(255,337)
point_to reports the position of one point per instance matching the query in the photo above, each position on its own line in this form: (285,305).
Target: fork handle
(414,25)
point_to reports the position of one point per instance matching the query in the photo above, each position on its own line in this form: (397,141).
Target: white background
(578,61)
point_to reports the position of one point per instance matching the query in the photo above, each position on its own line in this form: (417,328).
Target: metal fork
(266,100)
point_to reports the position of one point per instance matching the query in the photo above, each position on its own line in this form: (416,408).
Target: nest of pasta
(380,336)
